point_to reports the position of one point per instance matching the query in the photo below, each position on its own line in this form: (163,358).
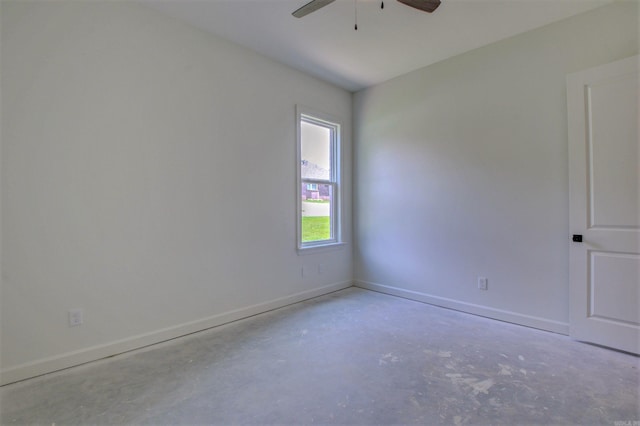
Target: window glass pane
(315,150)
(316,212)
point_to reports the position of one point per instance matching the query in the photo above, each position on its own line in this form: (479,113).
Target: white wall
(148,173)
(461,171)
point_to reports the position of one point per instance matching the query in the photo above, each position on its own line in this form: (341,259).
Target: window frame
(304,114)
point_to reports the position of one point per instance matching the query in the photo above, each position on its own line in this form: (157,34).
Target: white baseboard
(82,356)
(485,311)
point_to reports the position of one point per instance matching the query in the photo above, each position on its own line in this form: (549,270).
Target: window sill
(320,248)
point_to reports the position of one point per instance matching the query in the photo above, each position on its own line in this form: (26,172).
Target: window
(318,180)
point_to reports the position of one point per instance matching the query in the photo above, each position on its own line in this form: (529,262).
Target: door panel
(612,110)
(604,158)
(610,290)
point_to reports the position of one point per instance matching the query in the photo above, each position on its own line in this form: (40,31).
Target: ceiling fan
(424,5)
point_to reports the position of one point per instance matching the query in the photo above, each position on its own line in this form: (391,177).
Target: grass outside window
(316,228)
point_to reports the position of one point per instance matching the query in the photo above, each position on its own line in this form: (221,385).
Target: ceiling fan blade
(424,5)
(312,6)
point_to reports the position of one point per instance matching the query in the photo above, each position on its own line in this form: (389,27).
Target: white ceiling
(388,43)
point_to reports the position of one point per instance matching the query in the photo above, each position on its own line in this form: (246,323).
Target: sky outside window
(316,145)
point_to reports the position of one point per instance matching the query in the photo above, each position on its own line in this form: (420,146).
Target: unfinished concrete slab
(351,357)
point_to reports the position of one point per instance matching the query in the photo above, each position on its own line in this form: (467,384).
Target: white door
(604,158)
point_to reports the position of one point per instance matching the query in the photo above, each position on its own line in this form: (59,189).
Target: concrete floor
(351,357)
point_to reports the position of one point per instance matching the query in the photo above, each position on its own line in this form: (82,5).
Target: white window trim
(321,118)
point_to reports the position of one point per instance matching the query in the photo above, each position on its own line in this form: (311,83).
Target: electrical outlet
(75,317)
(483,283)
(321,268)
